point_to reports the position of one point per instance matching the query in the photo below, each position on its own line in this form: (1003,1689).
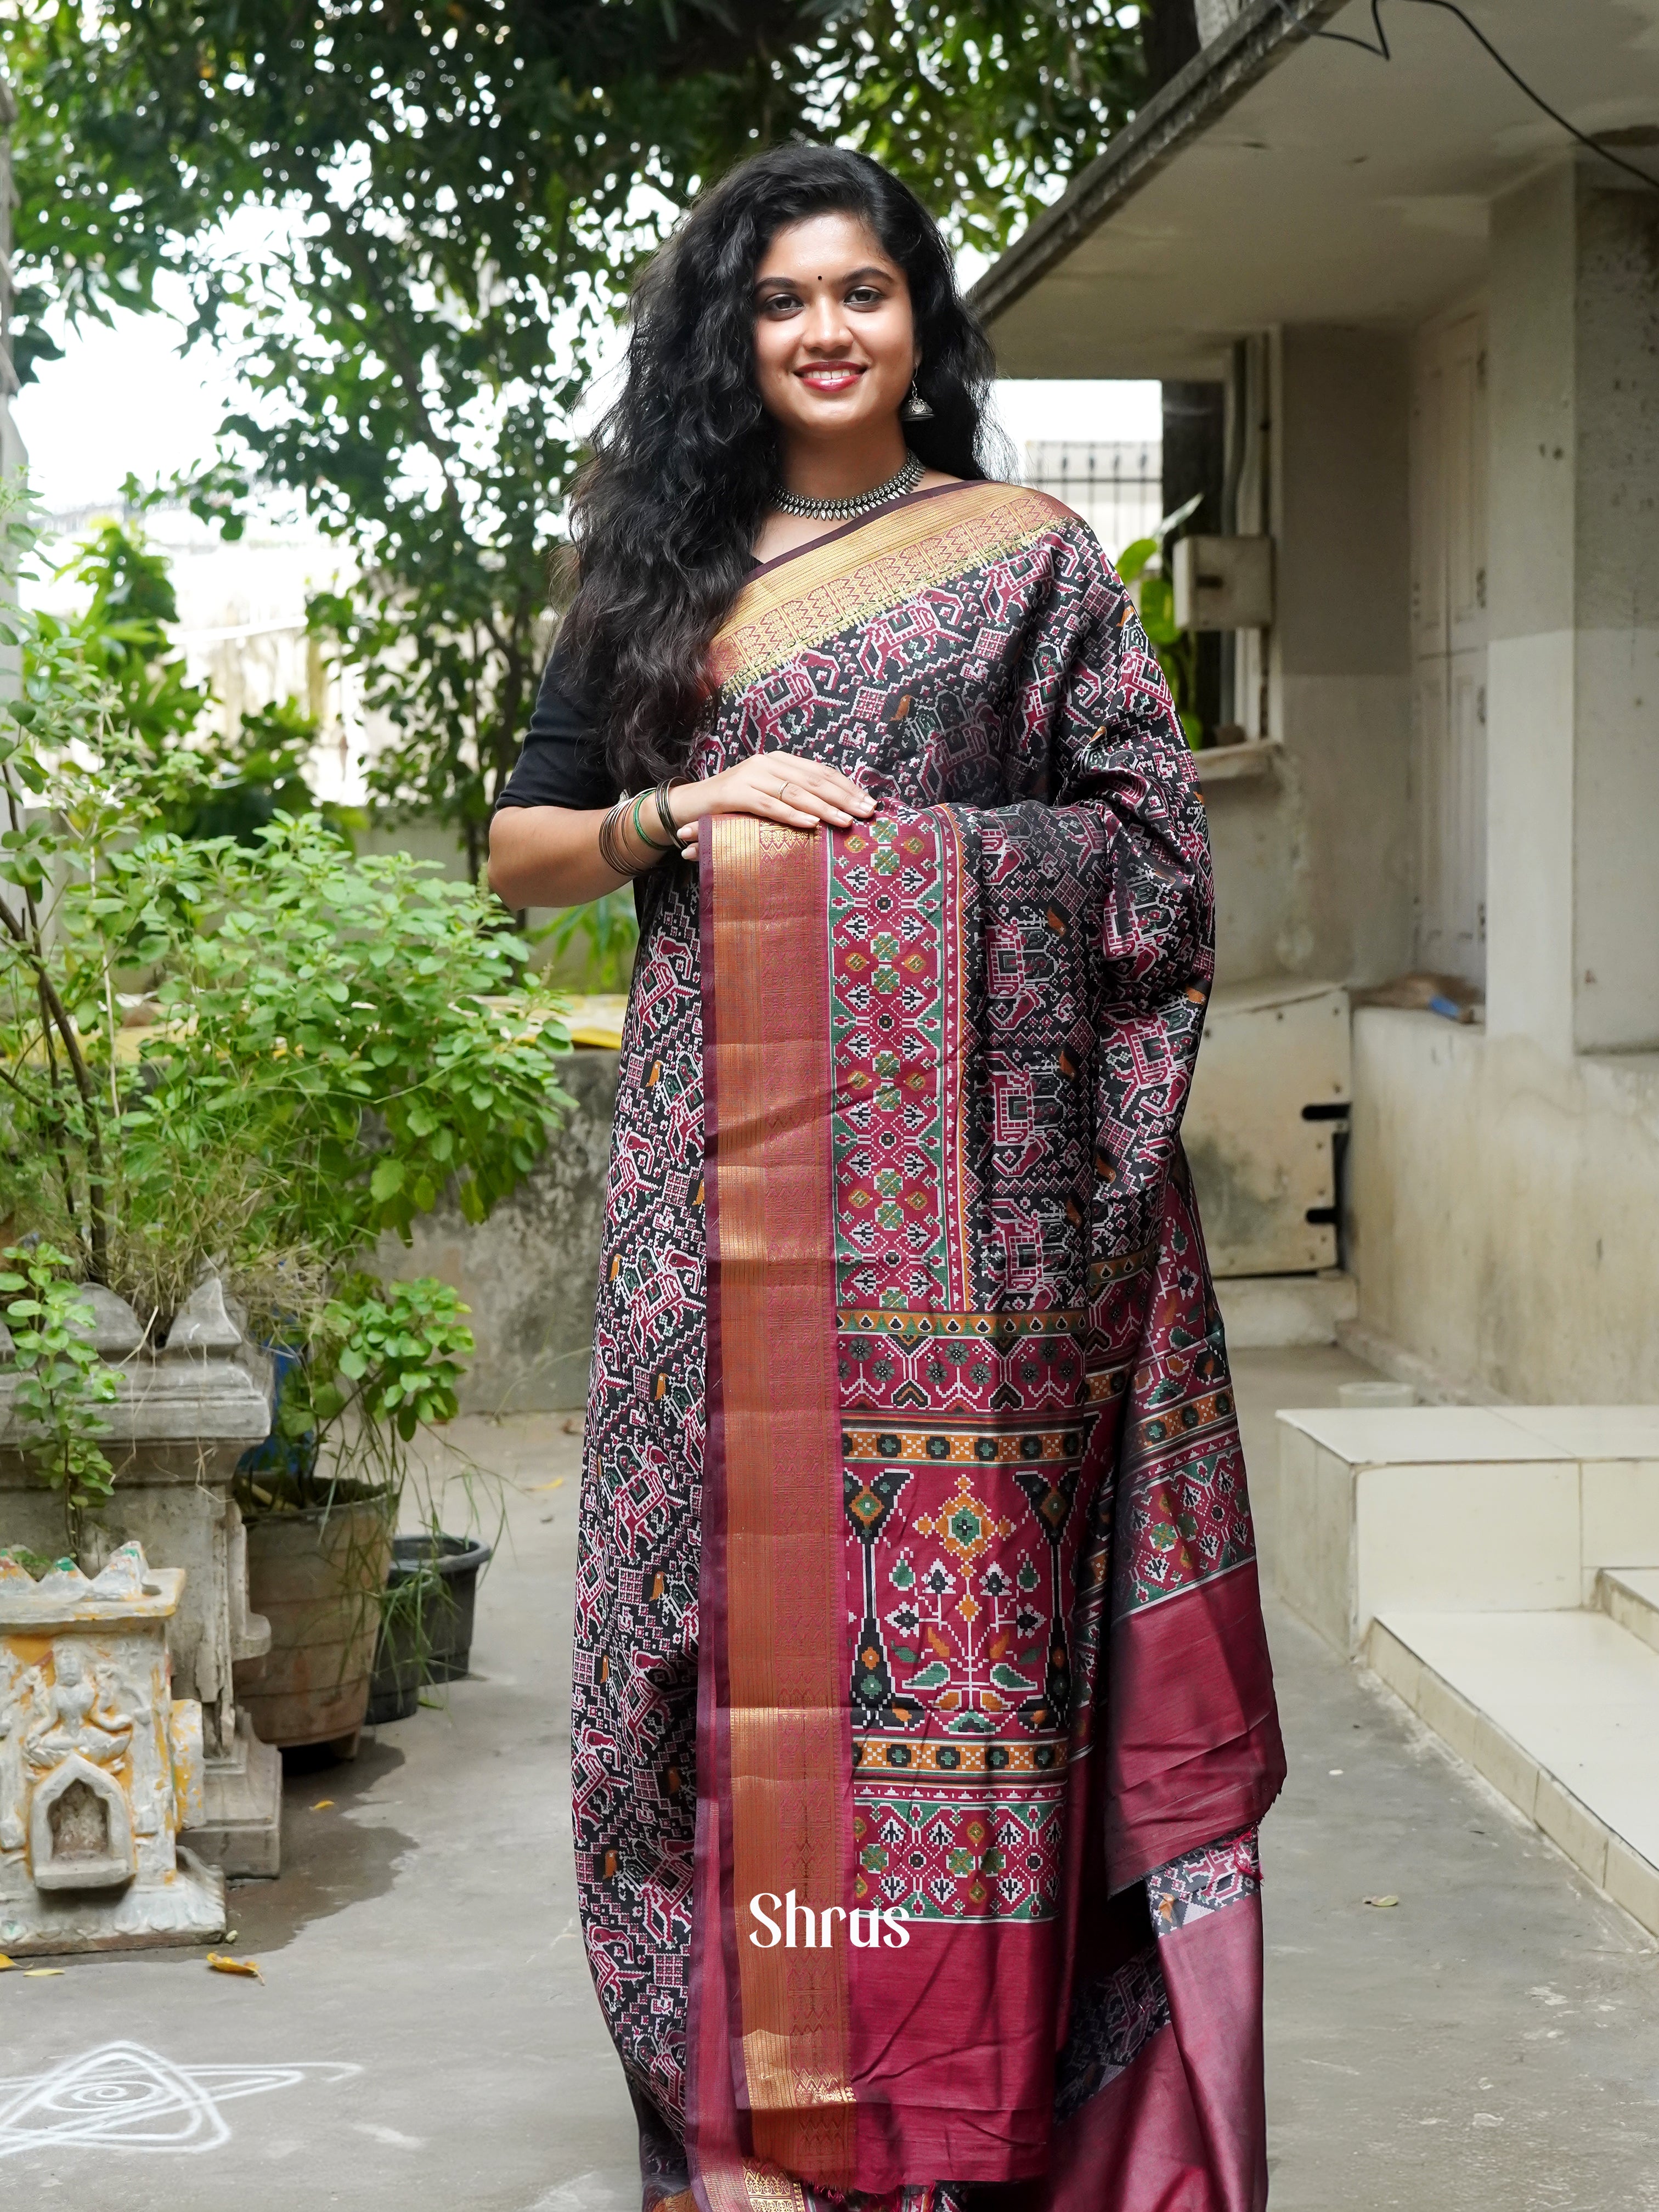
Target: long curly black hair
(665,516)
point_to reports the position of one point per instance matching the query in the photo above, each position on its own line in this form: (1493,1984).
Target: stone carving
(203,1328)
(115,1331)
(82,1720)
(80,1829)
(100,1763)
(184,1416)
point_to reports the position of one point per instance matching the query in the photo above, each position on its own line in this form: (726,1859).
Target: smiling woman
(916,1583)
(774,343)
(836,359)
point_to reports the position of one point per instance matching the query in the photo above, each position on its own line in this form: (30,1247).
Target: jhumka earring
(916,408)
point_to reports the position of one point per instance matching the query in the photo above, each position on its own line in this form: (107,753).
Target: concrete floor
(426,2036)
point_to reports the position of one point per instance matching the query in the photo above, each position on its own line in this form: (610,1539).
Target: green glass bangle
(639,832)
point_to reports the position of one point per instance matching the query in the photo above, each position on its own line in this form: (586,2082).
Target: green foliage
(381,1363)
(467,191)
(123,635)
(517,139)
(592,947)
(230,786)
(303,993)
(256,775)
(330,1041)
(62,1385)
(1145,563)
(355,1025)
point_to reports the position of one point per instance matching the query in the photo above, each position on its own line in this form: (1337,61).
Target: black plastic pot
(426,1635)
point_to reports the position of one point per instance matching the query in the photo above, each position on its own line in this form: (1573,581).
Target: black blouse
(562,764)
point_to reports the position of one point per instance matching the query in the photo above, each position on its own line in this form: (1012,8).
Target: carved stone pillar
(99,1764)
(184,1417)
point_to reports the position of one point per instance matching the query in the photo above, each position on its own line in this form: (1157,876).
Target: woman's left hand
(778,787)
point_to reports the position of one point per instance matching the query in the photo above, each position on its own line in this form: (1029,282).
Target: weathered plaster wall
(1503,1206)
(529,1272)
(1341,664)
(1529,656)
(1573,703)
(1252,831)
(1504,1186)
(1312,859)
(1616,559)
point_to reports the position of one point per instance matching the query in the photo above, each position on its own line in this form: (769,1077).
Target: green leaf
(1157,610)
(386,1181)
(1130,562)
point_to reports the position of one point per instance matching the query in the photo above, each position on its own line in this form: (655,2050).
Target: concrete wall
(529,1272)
(1504,1187)
(1573,890)
(1253,833)
(1312,859)
(1503,1202)
(1616,609)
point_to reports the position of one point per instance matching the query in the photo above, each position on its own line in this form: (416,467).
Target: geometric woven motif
(1205,1881)
(1112,2019)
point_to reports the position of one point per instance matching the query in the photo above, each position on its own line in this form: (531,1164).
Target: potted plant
(380,1362)
(254,1057)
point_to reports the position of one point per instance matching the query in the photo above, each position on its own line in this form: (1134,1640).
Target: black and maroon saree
(923,1713)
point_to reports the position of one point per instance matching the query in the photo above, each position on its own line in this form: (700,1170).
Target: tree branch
(96,1186)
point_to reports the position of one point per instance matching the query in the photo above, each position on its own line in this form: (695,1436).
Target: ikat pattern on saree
(1115,2014)
(1184,1513)
(1207,1880)
(1113,2018)
(968,964)
(634,1704)
(1011,1047)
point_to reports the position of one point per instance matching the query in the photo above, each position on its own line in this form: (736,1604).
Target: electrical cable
(1382,52)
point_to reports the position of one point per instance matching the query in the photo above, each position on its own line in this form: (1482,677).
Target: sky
(122,398)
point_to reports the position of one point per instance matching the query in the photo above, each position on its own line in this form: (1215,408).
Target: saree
(923,1715)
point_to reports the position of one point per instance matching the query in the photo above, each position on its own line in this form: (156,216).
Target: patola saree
(923,1712)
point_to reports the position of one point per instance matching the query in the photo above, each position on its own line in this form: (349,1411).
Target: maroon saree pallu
(962,1914)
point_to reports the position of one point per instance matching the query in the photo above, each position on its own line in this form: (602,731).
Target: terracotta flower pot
(316,1576)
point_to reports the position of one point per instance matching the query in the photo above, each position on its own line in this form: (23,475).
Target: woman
(922,1714)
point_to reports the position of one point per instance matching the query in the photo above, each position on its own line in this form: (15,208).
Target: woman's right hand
(800,794)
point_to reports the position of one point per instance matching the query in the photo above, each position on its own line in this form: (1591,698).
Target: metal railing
(1116,486)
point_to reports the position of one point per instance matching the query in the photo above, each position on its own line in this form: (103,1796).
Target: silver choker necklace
(863,502)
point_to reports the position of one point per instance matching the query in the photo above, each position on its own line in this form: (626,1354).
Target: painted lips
(831,379)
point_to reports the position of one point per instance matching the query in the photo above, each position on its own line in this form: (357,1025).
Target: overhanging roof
(1283,178)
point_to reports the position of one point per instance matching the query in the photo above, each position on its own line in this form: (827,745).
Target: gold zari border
(827,588)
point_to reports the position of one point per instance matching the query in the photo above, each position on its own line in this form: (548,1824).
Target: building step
(1457,1509)
(1559,1712)
(1270,1313)
(1630,1596)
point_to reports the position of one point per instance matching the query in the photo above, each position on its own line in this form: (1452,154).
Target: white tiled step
(1630,1596)
(1560,1711)
(1269,1312)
